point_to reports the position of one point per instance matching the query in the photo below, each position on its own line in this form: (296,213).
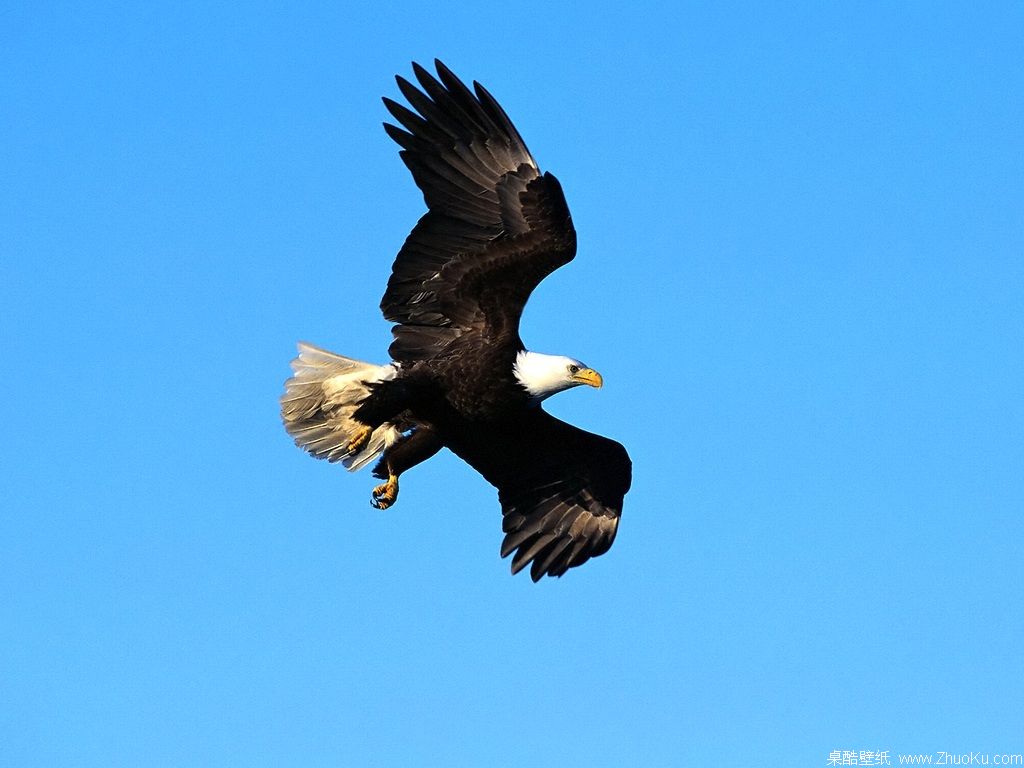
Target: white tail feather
(319,400)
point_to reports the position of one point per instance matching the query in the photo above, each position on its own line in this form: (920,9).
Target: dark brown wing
(495,227)
(561,506)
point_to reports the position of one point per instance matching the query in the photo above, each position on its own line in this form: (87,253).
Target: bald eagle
(461,377)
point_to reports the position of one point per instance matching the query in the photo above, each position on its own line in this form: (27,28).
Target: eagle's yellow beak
(588,376)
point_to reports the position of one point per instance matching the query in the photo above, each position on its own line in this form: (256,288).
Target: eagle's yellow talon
(357,443)
(386,494)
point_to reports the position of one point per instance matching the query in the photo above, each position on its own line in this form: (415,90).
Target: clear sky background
(800,271)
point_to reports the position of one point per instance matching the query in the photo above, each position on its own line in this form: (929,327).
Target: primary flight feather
(461,377)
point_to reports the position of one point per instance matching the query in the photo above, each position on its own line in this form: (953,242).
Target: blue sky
(801,232)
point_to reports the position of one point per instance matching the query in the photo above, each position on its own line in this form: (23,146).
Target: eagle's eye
(573,370)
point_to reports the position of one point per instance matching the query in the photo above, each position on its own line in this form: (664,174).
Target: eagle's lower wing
(496,225)
(562,506)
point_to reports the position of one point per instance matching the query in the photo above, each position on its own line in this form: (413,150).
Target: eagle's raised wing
(562,496)
(496,226)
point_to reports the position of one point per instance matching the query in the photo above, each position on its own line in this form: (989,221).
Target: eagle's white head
(544,375)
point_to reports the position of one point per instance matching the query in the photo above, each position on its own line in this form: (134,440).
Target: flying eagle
(461,377)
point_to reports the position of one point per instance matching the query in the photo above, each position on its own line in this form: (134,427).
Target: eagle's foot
(386,494)
(359,441)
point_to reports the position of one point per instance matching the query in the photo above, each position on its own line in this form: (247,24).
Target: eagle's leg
(385,494)
(385,401)
(359,439)
(418,446)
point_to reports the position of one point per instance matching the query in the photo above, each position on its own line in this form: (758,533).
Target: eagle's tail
(319,400)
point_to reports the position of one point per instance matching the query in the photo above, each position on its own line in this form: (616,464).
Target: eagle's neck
(542,375)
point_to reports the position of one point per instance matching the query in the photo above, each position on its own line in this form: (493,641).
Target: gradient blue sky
(801,237)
